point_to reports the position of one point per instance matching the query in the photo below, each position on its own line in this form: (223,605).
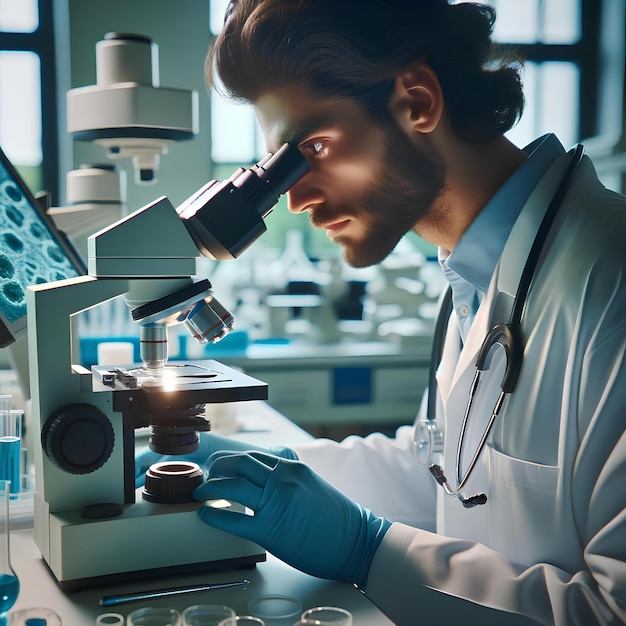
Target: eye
(317,148)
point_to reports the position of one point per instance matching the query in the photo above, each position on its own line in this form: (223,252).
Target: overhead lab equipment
(91,524)
(127,111)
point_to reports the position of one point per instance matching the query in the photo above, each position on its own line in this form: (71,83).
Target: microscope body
(91,525)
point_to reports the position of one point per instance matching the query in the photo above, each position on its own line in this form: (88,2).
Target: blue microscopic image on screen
(29,252)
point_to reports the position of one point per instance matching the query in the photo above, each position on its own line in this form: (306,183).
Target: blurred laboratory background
(343,350)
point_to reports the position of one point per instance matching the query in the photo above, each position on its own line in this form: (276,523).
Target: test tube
(5,407)
(10,445)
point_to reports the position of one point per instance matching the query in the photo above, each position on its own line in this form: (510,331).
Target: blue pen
(114,600)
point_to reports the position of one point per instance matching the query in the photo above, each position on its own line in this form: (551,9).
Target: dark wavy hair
(355,48)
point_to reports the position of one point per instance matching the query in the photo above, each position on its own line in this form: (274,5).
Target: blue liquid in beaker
(9,590)
(10,461)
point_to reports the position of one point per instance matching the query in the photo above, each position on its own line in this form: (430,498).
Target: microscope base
(146,541)
(231,564)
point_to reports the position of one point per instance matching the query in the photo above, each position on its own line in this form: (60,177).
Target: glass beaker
(9,583)
(206,614)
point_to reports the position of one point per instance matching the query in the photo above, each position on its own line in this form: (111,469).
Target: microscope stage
(208,381)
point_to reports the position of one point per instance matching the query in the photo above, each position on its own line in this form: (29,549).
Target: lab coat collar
(474,258)
(472,264)
(496,307)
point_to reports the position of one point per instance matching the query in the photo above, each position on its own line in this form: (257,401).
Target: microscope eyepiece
(225,218)
(283,169)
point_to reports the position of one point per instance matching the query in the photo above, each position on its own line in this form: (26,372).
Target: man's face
(368,184)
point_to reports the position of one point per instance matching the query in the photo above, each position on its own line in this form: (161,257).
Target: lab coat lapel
(450,356)
(458,358)
(469,353)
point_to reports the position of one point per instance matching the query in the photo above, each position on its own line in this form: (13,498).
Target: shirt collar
(475,256)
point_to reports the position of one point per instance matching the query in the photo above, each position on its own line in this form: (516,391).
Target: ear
(417,101)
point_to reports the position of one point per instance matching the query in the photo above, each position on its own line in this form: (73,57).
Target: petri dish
(275,608)
(326,616)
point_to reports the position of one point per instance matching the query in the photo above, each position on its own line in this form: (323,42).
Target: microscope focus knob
(78,438)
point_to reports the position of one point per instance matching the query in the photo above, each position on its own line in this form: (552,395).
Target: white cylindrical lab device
(115,353)
(127,58)
(96,184)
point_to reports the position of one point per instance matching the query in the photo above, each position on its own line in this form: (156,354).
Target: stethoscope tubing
(507,335)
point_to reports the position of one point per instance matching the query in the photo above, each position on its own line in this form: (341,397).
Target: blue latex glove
(209,443)
(298,516)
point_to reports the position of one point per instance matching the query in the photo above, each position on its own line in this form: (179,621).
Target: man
(401,114)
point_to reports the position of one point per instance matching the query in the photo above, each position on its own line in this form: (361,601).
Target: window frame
(586,54)
(41,42)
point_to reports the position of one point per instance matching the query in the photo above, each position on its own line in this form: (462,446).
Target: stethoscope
(428,438)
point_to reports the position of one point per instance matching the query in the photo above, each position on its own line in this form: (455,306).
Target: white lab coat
(550,544)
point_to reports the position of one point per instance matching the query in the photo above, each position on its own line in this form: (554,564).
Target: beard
(401,195)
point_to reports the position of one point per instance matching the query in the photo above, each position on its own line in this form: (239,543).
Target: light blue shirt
(470,266)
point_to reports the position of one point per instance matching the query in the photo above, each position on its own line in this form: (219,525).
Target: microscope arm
(57,382)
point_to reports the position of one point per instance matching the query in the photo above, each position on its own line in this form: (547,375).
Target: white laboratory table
(374,383)
(81,608)
(259,424)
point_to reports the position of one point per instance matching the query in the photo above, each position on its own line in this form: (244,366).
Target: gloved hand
(209,443)
(298,516)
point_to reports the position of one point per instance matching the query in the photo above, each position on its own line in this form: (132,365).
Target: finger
(232,522)
(266,457)
(231,489)
(241,465)
(218,454)
(271,460)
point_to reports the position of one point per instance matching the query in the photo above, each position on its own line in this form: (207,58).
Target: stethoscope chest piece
(427,441)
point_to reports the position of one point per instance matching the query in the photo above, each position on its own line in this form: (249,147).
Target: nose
(303,195)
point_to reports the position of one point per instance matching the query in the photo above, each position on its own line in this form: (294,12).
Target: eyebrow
(308,126)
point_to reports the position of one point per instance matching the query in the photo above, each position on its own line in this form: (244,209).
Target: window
(29,130)
(18,17)
(20,103)
(235,135)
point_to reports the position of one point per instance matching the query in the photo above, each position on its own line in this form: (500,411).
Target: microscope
(91,525)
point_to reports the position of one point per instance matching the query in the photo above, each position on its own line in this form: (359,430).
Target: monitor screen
(32,251)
